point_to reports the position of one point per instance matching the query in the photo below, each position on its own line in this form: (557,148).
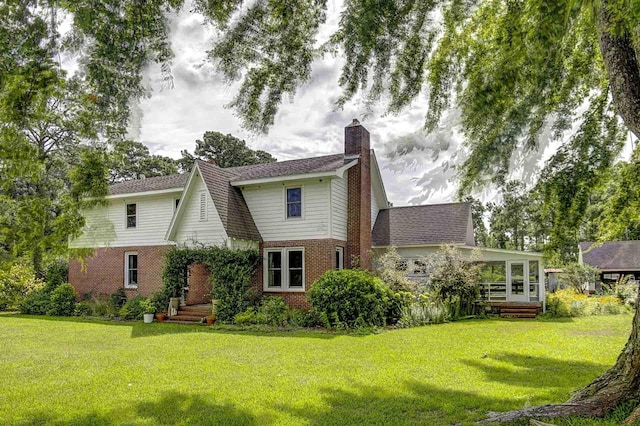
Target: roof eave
(339,172)
(144,193)
(171,231)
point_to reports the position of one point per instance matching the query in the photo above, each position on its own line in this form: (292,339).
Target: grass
(71,371)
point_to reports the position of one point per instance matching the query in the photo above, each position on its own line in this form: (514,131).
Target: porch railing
(498,291)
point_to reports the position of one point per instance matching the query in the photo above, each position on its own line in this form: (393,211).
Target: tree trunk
(621,63)
(619,384)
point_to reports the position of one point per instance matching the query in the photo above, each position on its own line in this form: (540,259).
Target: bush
(418,314)
(388,268)
(305,318)
(133,308)
(272,311)
(62,301)
(56,274)
(577,277)
(16,283)
(232,290)
(568,303)
(36,303)
(83,309)
(117,299)
(353,298)
(625,289)
(160,301)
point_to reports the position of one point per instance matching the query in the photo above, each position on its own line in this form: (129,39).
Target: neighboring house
(614,259)
(304,216)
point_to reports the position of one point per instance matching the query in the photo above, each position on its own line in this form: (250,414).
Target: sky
(170,119)
(416,168)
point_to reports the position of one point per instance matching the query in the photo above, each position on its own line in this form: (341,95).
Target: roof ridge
(427,205)
(282,162)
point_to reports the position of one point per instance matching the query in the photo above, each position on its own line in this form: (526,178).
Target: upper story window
(131,215)
(177,202)
(294,202)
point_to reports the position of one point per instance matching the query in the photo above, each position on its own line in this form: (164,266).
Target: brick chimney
(356,145)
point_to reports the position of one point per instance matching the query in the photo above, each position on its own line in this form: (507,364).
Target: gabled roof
(150,184)
(612,255)
(421,225)
(229,202)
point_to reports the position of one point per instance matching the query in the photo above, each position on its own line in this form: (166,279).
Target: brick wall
(199,285)
(319,257)
(104,272)
(356,142)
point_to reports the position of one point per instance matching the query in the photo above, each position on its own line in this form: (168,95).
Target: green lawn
(55,371)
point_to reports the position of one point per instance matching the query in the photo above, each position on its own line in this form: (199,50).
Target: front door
(517,281)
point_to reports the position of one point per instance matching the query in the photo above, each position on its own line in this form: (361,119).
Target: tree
(225,151)
(132,160)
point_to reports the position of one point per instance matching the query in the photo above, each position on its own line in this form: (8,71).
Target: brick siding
(319,257)
(356,142)
(104,272)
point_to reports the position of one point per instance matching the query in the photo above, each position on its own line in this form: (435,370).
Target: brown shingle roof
(430,224)
(325,163)
(612,255)
(150,184)
(229,202)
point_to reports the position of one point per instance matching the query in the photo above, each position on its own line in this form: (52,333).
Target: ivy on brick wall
(231,272)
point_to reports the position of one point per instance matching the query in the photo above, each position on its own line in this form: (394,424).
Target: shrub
(388,268)
(625,289)
(232,290)
(56,274)
(83,309)
(36,303)
(455,281)
(249,317)
(63,301)
(352,298)
(305,318)
(133,308)
(17,282)
(274,310)
(117,299)
(577,277)
(568,303)
(418,314)
(160,301)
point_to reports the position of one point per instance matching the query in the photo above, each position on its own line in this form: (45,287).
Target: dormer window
(294,202)
(131,215)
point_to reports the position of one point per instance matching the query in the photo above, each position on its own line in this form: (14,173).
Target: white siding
(105,226)
(190,229)
(374,207)
(267,206)
(339,208)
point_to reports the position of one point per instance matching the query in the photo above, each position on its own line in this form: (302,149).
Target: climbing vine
(231,272)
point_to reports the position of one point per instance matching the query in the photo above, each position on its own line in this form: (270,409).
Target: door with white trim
(518,281)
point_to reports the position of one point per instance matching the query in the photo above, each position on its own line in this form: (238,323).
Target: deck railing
(498,291)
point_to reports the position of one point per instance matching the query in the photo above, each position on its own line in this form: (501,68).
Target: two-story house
(304,216)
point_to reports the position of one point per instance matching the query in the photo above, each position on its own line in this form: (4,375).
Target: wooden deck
(516,309)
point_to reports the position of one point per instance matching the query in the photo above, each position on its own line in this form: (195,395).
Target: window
(177,201)
(131,270)
(419,268)
(203,206)
(294,202)
(493,272)
(339,258)
(131,215)
(402,265)
(285,269)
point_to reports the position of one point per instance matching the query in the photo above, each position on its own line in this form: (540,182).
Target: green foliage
(353,298)
(231,272)
(569,303)
(83,309)
(387,267)
(134,308)
(17,282)
(132,160)
(455,281)
(147,306)
(578,277)
(36,303)
(624,289)
(56,274)
(62,301)
(420,313)
(117,299)
(160,301)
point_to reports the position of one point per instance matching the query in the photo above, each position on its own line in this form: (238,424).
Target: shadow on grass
(558,376)
(173,408)
(414,403)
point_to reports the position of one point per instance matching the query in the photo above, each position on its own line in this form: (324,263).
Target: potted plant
(161,316)
(148,309)
(211,319)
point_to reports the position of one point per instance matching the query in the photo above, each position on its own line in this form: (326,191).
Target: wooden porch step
(175,321)
(520,315)
(190,314)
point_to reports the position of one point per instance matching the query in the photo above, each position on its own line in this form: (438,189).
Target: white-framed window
(284,269)
(293,202)
(203,206)
(339,263)
(131,211)
(131,269)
